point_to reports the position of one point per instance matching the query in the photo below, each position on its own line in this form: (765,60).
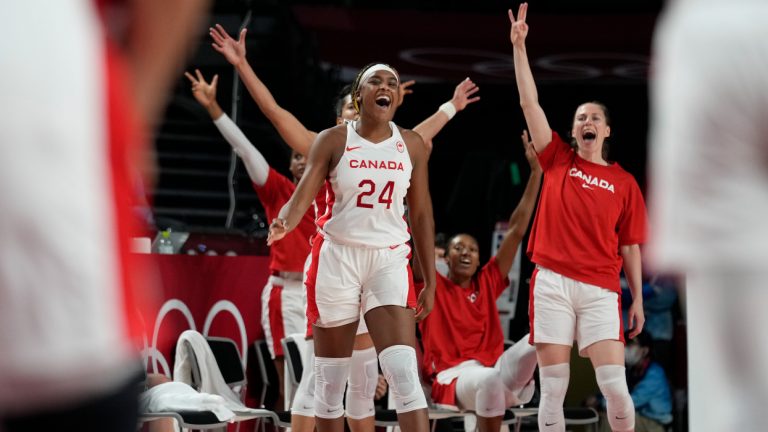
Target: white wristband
(449,109)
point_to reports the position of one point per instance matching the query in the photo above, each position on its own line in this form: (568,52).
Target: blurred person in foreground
(709,173)
(70,139)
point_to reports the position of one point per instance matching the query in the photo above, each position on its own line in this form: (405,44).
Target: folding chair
(581,416)
(228,359)
(267,370)
(294,367)
(191,420)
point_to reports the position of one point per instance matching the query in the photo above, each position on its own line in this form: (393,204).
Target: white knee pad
(619,406)
(399,365)
(304,399)
(489,399)
(554,385)
(330,381)
(516,367)
(363,377)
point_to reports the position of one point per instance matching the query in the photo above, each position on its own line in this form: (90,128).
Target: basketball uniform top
(366,192)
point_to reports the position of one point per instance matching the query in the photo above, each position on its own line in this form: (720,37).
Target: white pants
(282,311)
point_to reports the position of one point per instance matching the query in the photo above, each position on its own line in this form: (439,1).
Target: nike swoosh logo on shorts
(549,424)
(352,148)
(409,402)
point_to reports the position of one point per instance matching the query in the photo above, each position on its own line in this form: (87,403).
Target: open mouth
(383,101)
(589,136)
(465,261)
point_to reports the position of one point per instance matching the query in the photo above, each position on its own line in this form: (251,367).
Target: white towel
(211,380)
(178,396)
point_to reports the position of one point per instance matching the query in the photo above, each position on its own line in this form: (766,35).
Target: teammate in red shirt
(591,220)
(463,341)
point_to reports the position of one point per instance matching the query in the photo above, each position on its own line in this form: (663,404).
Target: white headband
(375,68)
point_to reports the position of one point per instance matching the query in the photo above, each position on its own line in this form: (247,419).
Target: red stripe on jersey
(125,144)
(312,312)
(329,202)
(530,304)
(275,308)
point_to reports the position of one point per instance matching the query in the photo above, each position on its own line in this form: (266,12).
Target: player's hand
(204,93)
(462,94)
(425,302)
(636,318)
(232,50)
(404,90)
(519,29)
(530,153)
(277,231)
(381,388)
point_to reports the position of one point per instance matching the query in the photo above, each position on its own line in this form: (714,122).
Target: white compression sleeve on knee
(516,367)
(304,400)
(401,371)
(330,381)
(554,384)
(489,399)
(619,406)
(363,377)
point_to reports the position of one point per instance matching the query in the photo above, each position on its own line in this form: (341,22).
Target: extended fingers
(215,35)
(522,12)
(199,75)
(190,77)
(222,33)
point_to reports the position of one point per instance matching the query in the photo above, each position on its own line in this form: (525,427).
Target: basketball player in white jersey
(360,255)
(364,370)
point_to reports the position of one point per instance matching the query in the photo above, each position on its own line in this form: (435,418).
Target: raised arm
(293,132)
(318,164)
(422,222)
(462,97)
(521,216)
(205,94)
(541,134)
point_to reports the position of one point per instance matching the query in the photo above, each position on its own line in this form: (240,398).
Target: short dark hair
(441,241)
(338,104)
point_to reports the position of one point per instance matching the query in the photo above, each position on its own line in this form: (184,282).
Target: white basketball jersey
(366,192)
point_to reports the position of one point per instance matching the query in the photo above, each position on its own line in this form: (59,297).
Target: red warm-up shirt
(291,251)
(586,211)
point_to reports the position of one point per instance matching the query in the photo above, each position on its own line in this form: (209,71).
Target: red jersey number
(369,188)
